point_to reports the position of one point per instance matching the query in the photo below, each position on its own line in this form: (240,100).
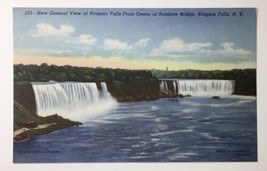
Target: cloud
(119,45)
(177,45)
(142,42)
(177,50)
(227,52)
(83,39)
(116,44)
(228,49)
(44,29)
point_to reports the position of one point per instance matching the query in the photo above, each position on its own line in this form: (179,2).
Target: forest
(45,72)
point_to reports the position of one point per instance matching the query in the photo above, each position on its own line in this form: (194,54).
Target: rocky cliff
(24,95)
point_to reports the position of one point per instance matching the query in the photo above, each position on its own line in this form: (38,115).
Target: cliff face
(22,115)
(127,92)
(245,91)
(24,94)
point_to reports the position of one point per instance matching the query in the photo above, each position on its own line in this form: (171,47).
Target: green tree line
(45,72)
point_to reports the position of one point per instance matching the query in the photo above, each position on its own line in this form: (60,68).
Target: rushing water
(167,130)
(199,87)
(73,100)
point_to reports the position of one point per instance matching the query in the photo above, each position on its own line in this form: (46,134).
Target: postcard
(94,85)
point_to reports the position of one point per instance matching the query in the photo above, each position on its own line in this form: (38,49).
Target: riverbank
(27,124)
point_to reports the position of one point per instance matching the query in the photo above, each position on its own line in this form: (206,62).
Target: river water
(194,129)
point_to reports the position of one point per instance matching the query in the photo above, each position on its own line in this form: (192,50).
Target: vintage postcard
(134,85)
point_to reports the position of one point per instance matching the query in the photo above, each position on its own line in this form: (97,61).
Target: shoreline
(25,134)
(27,124)
(19,132)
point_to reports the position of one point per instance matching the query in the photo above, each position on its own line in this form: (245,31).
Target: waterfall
(105,92)
(199,87)
(174,87)
(74,100)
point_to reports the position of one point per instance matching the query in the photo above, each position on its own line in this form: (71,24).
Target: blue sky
(137,42)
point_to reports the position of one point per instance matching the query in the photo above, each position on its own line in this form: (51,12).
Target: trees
(45,72)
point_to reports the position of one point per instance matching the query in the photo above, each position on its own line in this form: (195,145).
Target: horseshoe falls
(198,87)
(77,101)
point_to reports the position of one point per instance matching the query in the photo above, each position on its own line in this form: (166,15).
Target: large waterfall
(74,100)
(198,87)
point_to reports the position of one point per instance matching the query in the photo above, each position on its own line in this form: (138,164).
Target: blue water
(195,129)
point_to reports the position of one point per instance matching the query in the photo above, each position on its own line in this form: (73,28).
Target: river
(194,129)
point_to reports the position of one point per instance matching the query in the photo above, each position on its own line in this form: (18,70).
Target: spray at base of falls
(199,87)
(77,101)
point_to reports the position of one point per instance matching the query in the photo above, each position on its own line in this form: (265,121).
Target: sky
(204,39)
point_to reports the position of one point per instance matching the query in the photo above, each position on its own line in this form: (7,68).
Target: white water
(163,86)
(73,100)
(200,87)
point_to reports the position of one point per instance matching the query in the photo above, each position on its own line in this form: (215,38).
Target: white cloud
(177,49)
(116,44)
(228,47)
(178,45)
(44,29)
(142,42)
(228,50)
(83,39)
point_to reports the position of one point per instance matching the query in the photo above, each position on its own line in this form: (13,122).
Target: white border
(6,89)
